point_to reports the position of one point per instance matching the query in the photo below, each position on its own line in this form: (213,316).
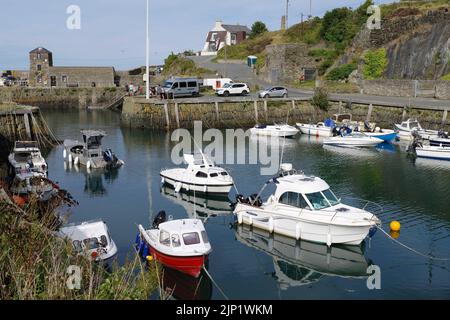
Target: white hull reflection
(302,263)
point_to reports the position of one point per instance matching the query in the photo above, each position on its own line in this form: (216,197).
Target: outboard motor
(367,126)
(240,199)
(442,134)
(160,218)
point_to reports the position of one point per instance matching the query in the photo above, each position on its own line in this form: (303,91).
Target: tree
(258,28)
(375,62)
(320,99)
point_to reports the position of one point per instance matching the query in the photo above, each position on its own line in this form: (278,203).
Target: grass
(446,77)
(181,66)
(34,263)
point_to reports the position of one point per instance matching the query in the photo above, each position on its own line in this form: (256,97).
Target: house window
(39,56)
(233,38)
(214,37)
(39,67)
(39,79)
(64,79)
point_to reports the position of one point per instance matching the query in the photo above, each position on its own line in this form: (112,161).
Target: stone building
(288,63)
(44,74)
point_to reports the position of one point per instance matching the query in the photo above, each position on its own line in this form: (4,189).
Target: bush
(341,72)
(320,99)
(375,62)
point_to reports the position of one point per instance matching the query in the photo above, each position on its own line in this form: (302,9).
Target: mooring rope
(48,130)
(411,249)
(221,291)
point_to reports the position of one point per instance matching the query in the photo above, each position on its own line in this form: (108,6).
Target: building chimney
(218,24)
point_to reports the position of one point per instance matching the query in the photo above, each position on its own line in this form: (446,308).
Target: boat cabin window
(191,238)
(294,199)
(176,240)
(103,240)
(224,173)
(318,201)
(164,238)
(77,246)
(201,174)
(214,174)
(331,197)
(91,243)
(205,237)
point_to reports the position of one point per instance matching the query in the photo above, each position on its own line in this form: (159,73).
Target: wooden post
(27,125)
(166,112)
(255,104)
(444,117)
(404,113)
(369,113)
(265,109)
(177,115)
(217,110)
(293,104)
(340,106)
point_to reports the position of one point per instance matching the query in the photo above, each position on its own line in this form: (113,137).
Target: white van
(181,87)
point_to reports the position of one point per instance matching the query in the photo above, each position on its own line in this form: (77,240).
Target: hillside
(413,43)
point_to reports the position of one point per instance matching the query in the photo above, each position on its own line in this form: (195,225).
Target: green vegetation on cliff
(375,62)
(179,65)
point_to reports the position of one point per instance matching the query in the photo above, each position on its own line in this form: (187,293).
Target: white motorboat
(26,156)
(91,238)
(182,244)
(354,139)
(277,130)
(433,152)
(302,263)
(406,128)
(304,207)
(319,129)
(441,139)
(89,153)
(201,175)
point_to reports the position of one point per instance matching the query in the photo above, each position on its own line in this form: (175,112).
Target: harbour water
(248,264)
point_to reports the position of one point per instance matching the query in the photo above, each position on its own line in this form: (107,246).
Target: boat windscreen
(191,238)
(331,197)
(318,201)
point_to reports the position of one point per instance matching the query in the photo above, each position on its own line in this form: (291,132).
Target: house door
(52,81)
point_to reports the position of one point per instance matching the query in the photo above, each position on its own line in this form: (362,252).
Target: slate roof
(236,28)
(40,50)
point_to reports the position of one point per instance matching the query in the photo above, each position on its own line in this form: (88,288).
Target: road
(241,72)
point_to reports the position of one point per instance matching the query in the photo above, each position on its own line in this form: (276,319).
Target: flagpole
(147,67)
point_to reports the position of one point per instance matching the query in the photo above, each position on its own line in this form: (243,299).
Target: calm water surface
(248,264)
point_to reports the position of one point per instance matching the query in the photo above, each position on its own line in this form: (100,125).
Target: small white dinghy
(319,129)
(276,130)
(354,139)
(91,238)
(201,175)
(433,152)
(304,207)
(26,156)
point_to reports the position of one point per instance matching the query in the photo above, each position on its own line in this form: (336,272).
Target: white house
(224,34)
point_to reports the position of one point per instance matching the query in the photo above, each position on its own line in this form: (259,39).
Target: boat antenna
(284,141)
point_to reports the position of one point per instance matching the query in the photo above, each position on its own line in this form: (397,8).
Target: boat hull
(385,136)
(191,265)
(274,133)
(202,188)
(312,130)
(343,142)
(440,142)
(441,153)
(325,233)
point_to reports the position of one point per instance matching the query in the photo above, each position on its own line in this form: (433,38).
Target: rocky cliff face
(417,44)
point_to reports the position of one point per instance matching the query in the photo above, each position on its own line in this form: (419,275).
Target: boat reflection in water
(302,263)
(95,179)
(205,206)
(180,286)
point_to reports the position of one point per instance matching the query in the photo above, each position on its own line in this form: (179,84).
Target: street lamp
(147,67)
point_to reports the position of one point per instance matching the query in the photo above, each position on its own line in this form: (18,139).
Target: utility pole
(303,27)
(310,9)
(287,14)
(147,62)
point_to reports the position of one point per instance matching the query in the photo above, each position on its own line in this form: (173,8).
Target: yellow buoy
(395,226)
(149,258)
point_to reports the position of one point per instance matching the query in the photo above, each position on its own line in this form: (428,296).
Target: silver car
(274,92)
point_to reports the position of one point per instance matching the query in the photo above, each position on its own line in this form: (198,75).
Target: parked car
(233,89)
(273,92)
(181,87)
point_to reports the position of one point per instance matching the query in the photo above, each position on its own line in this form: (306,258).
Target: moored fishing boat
(201,175)
(320,129)
(178,244)
(354,139)
(433,152)
(89,152)
(304,207)
(277,130)
(26,156)
(91,238)
(406,129)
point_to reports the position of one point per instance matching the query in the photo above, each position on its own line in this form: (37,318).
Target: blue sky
(113,31)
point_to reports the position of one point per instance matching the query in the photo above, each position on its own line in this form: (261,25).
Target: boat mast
(147,63)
